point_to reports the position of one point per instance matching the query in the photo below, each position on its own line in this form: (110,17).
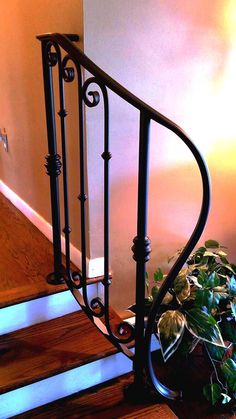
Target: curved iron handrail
(142,359)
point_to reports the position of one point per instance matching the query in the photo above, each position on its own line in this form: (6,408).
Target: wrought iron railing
(59,50)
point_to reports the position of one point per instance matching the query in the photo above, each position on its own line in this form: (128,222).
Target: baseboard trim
(95,267)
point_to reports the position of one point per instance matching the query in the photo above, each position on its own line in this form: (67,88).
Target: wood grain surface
(48,348)
(26,258)
(101,402)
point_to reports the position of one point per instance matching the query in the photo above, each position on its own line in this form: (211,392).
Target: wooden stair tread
(26,258)
(49,348)
(105,401)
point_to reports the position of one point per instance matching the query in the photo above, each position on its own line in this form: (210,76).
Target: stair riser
(31,312)
(61,385)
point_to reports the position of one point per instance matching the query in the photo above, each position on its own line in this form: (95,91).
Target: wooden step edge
(49,348)
(13,297)
(103,401)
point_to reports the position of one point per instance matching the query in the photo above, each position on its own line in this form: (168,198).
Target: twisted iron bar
(96,309)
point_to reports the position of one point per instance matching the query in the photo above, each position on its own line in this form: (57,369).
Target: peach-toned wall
(178,56)
(22,97)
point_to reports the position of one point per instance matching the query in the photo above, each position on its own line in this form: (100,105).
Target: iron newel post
(53,165)
(141,250)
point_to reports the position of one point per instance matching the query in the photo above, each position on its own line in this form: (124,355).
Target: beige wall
(22,97)
(178,56)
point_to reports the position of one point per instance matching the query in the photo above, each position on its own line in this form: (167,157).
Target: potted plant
(200,310)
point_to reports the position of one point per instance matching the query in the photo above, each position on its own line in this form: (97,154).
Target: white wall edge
(95,267)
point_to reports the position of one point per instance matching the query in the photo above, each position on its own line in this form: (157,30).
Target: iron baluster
(53,164)
(141,250)
(82,196)
(62,114)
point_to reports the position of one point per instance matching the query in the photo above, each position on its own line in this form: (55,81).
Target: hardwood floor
(26,258)
(103,402)
(45,349)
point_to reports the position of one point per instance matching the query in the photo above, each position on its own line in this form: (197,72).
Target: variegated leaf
(170,329)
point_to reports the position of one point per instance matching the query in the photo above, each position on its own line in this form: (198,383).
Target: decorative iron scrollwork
(62,113)
(106,155)
(126,332)
(53,164)
(141,249)
(94,94)
(82,197)
(98,309)
(52,58)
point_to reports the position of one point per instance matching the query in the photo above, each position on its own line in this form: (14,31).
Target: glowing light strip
(62,385)
(31,312)
(45,391)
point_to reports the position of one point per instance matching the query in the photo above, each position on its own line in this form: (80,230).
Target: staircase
(49,349)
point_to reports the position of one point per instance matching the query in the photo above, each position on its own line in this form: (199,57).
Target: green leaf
(233,308)
(167,299)
(204,298)
(203,326)
(224,260)
(154,292)
(226,398)
(170,329)
(212,244)
(181,287)
(232,286)
(221,253)
(200,250)
(212,393)
(203,278)
(194,280)
(220,293)
(216,352)
(213,280)
(208,254)
(158,275)
(229,268)
(208,281)
(229,370)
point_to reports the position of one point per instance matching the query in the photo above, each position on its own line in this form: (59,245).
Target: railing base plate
(56,278)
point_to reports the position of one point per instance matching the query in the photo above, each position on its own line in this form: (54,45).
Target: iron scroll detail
(59,51)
